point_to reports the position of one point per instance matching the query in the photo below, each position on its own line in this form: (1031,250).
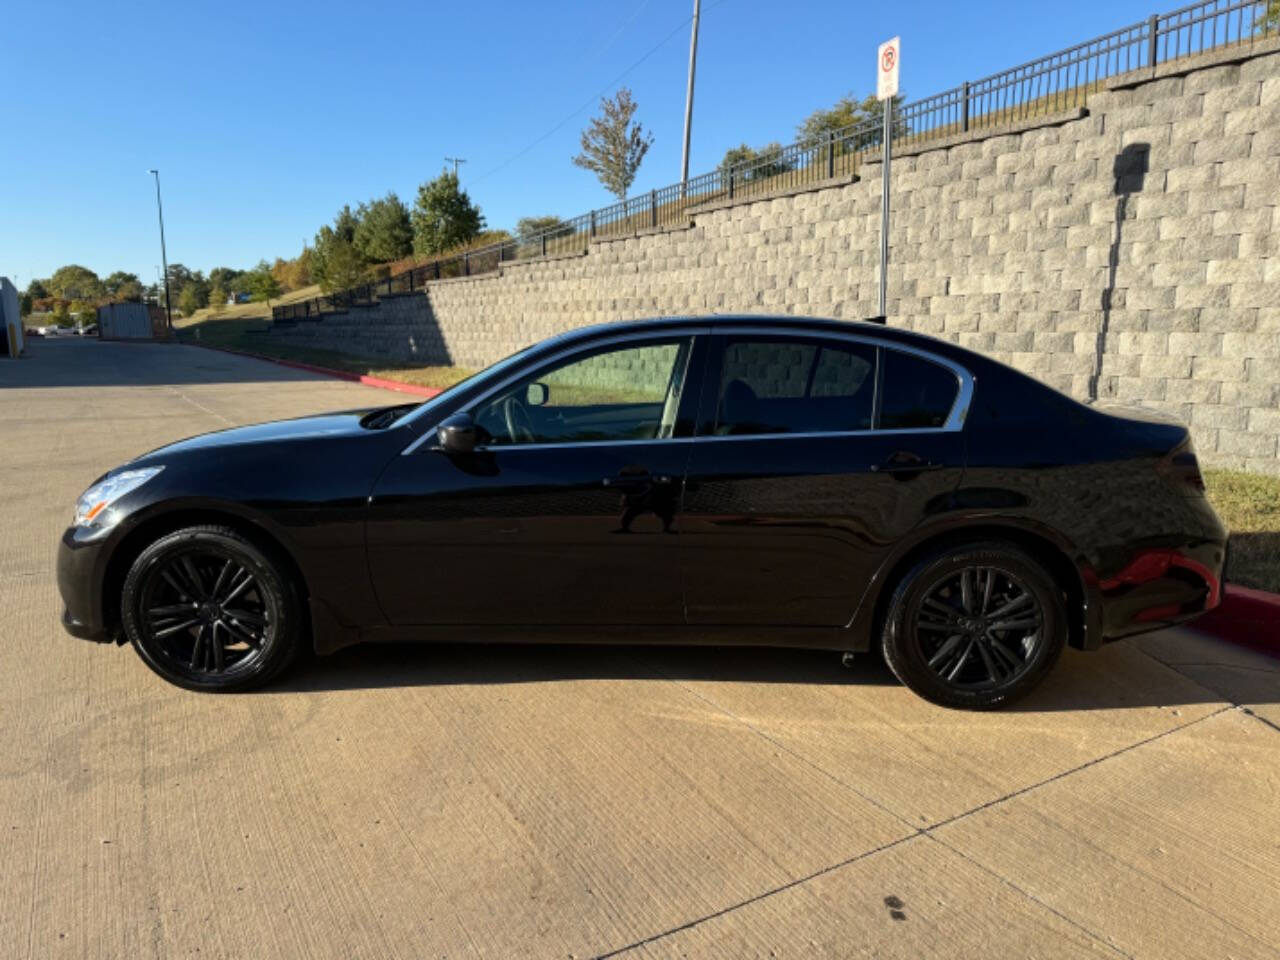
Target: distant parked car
(732,480)
(88,330)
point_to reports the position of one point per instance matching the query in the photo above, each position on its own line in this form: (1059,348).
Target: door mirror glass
(536,394)
(457,434)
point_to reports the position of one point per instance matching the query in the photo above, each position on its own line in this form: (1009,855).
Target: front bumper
(81,568)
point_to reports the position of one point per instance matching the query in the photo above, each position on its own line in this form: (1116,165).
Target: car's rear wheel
(208,609)
(976,626)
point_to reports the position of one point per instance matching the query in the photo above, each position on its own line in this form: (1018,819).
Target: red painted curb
(396,385)
(1250,618)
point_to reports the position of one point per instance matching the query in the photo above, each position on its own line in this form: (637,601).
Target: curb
(397,385)
(1248,617)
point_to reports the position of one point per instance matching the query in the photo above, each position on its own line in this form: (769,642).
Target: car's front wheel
(208,609)
(976,626)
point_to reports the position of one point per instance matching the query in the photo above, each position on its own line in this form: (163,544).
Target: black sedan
(727,480)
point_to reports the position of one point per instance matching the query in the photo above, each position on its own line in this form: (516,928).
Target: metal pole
(688,97)
(884,209)
(164,257)
(455,161)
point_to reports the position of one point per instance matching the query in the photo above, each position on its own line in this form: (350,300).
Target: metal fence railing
(1059,82)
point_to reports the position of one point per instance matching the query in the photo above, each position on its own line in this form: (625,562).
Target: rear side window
(914,393)
(786,385)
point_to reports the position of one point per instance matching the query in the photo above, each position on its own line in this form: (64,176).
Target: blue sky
(264,118)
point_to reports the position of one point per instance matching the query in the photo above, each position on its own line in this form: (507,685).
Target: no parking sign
(887,62)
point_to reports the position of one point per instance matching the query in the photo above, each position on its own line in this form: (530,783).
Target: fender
(1086,623)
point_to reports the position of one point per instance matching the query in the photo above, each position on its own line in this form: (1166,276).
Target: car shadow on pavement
(1120,676)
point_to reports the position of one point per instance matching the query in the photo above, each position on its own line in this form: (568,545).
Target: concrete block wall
(1133,252)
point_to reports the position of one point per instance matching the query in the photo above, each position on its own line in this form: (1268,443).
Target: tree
(612,146)
(530,228)
(263,285)
(1270,19)
(752,164)
(224,277)
(189,300)
(24,305)
(338,266)
(385,232)
(334,253)
(74,282)
(36,290)
(217,297)
(115,281)
(855,124)
(83,312)
(444,216)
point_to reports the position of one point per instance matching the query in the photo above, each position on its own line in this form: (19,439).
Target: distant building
(12,341)
(234,298)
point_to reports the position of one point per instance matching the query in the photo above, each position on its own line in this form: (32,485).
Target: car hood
(302,428)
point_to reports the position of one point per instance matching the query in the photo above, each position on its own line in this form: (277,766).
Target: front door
(568,510)
(814,456)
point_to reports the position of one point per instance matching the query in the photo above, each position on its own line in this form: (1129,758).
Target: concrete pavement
(574,802)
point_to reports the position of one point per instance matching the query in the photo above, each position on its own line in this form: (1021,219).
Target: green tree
(755,164)
(36,290)
(60,316)
(189,300)
(855,124)
(530,228)
(24,305)
(117,281)
(1270,19)
(217,297)
(384,232)
(612,146)
(444,216)
(224,277)
(338,266)
(263,285)
(74,282)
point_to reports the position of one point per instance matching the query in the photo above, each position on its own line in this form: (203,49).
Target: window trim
(954,422)
(683,333)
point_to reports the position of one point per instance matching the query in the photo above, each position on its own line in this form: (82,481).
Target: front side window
(790,385)
(628,392)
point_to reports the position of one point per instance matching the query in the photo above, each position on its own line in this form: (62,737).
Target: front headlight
(91,507)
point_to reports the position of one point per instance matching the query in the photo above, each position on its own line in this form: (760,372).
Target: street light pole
(688,97)
(164,257)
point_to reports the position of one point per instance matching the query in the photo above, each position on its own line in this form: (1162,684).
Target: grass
(1249,504)
(245,333)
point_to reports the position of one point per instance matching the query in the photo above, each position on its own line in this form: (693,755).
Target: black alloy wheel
(975,627)
(209,610)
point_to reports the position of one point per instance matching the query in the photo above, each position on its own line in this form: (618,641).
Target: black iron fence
(1059,82)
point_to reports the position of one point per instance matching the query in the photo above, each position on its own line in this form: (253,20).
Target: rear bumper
(1160,587)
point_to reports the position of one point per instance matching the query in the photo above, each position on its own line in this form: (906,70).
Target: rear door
(814,455)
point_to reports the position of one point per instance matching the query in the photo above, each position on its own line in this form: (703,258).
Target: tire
(974,646)
(210,610)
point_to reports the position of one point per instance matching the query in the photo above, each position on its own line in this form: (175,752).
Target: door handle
(904,462)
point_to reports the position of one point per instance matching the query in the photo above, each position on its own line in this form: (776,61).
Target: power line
(607,87)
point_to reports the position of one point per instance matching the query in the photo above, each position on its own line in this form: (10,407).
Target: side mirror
(536,394)
(457,434)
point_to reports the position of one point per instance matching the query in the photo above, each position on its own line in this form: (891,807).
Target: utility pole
(688,97)
(164,257)
(455,161)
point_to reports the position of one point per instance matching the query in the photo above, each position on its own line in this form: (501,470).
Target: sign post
(887,63)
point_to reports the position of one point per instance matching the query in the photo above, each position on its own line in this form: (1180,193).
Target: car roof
(872,326)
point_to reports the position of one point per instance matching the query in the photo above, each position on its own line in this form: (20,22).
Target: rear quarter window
(915,394)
